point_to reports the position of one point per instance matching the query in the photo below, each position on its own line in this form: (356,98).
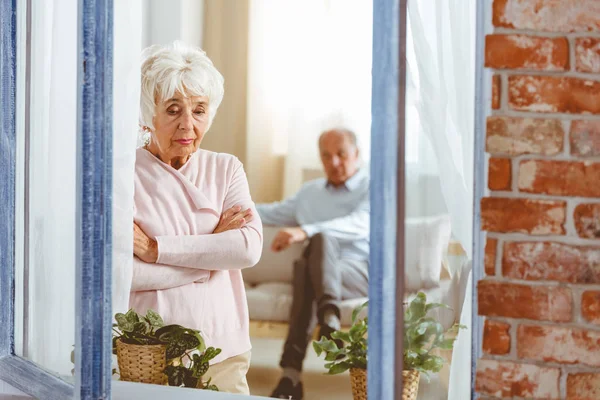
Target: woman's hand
(145,248)
(234,218)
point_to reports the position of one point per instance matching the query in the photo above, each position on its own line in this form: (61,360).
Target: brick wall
(541,293)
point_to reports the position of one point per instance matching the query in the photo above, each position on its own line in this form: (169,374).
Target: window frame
(94,214)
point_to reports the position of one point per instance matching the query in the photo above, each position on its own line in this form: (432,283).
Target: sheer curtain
(50,323)
(442,69)
(443,44)
(309,69)
(50,288)
(126,103)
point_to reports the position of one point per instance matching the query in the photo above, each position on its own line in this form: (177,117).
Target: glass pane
(284,86)
(439,190)
(48,135)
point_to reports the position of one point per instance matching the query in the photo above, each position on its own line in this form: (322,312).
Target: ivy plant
(186,353)
(422,335)
(353,350)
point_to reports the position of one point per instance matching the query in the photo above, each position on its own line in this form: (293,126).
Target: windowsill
(137,391)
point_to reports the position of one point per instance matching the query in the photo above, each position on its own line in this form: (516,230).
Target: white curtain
(309,69)
(52,173)
(443,44)
(126,103)
(52,164)
(441,59)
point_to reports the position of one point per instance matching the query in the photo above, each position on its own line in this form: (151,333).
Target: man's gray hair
(349,134)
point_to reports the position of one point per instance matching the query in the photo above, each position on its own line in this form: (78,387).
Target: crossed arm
(236,243)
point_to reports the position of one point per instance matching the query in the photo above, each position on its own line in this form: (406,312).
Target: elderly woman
(195,225)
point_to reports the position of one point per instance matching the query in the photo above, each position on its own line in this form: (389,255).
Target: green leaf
(335,355)
(433,363)
(432,306)
(345,336)
(141,328)
(357,332)
(417,308)
(324,345)
(123,323)
(357,311)
(132,316)
(447,344)
(176,375)
(339,368)
(154,319)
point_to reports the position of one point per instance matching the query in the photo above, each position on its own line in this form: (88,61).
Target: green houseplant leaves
(353,353)
(186,353)
(422,335)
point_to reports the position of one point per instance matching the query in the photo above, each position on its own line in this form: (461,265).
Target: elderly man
(333,215)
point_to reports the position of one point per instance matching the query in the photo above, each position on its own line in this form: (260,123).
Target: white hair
(182,68)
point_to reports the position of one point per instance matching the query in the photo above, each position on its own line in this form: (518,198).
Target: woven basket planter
(142,363)
(410,385)
(358,380)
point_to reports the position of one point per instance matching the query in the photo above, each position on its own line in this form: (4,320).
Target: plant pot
(358,380)
(142,363)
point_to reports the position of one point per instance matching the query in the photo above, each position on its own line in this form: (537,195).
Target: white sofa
(269,283)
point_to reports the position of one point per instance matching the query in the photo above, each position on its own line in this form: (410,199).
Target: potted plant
(149,351)
(422,335)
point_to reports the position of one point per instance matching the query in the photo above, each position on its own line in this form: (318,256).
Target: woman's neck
(175,162)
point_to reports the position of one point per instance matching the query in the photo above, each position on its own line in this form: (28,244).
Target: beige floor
(264,374)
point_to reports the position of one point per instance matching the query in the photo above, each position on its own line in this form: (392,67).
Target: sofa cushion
(426,243)
(273,267)
(273,302)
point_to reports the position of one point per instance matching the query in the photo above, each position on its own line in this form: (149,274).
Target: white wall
(166,21)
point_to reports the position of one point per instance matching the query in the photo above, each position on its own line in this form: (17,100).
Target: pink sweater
(197,280)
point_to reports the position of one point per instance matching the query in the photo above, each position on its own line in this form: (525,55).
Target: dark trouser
(321,280)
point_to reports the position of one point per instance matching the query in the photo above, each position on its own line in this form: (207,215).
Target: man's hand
(145,248)
(286,237)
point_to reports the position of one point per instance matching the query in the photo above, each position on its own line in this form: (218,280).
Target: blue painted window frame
(94,190)
(94,214)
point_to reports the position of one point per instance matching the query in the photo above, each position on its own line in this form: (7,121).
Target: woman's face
(179,126)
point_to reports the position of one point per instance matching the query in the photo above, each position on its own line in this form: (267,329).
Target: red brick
(535,217)
(548,15)
(508,379)
(496,91)
(585,138)
(551,262)
(587,220)
(583,386)
(559,344)
(590,306)
(496,338)
(513,136)
(490,256)
(544,303)
(560,178)
(587,54)
(554,94)
(499,174)
(526,52)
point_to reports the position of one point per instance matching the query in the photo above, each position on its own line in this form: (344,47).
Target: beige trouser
(230,375)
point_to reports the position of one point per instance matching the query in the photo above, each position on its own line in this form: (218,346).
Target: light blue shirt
(319,207)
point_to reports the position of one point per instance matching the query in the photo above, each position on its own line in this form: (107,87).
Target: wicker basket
(358,380)
(142,363)
(410,385)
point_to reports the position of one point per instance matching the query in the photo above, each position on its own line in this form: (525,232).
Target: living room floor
(264,374)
